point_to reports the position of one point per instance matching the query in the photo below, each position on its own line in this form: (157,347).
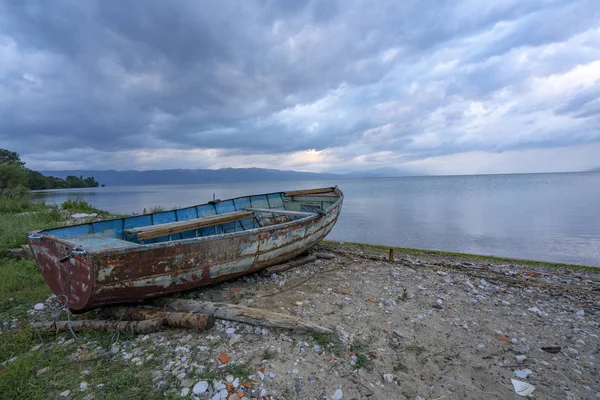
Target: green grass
(79,205)
(330,342)
(400,366)
(404,295)
(239,370)
(14,227)
(19,379)
(422,252)
(20,281)
(362,351)
(269,354)
(11,205)
(155,209)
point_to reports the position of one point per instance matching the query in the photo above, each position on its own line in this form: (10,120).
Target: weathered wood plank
(288,265)
(309,191)
(280,211)
(252,316)
(154,231)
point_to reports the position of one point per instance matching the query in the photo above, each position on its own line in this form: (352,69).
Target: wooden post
(391,258)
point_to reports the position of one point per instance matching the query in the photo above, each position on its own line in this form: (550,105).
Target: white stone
(66,393)
(234,339)
(42,371)
(337,395)
(185,392)
(83,386)
(83,215)
(388,377)
(523,388)
(39,307)
(219,386)
(200,387)
(223,393)
(535,310)
(521,358)
(523,373)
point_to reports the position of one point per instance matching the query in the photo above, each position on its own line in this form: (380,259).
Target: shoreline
(479,257)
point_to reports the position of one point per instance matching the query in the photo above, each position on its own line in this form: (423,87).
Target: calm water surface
(551,217)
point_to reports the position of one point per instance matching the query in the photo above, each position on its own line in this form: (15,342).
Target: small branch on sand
(288,265)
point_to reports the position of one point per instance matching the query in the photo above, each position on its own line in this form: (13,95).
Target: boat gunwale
(136,247)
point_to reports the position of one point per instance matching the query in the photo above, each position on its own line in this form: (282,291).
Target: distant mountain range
(183,176)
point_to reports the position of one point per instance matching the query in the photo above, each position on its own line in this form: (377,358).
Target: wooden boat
(137,257)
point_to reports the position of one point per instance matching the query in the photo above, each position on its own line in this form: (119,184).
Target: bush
(79,205)
(11,176)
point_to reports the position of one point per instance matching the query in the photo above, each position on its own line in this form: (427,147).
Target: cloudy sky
(432,86)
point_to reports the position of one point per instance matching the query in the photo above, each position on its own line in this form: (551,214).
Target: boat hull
(127,274)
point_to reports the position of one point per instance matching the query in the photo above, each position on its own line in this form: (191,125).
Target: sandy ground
(430,327)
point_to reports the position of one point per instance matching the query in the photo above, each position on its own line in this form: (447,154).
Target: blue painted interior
(111,233)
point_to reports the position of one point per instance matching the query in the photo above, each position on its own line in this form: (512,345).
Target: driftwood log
(172,319)
(24,252)
(146,326)
(288,265)
(232,312)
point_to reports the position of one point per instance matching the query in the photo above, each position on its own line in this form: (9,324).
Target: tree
(13,173)
(11,176)
(10,157)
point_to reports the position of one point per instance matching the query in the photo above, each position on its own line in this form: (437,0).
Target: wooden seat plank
(280,211)
(310,191)
(154,231)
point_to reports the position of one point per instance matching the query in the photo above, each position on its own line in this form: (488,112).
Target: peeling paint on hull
(132,273)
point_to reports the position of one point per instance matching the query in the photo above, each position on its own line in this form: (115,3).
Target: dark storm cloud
(281,76)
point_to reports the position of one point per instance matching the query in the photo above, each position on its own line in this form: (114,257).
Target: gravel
(438,326)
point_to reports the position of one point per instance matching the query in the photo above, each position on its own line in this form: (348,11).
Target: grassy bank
(464,256)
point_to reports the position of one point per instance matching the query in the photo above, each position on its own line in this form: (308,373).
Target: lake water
(550,217)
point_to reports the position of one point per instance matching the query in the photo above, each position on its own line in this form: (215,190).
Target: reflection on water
(553,217)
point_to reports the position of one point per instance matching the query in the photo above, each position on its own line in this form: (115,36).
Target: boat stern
(66,269)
